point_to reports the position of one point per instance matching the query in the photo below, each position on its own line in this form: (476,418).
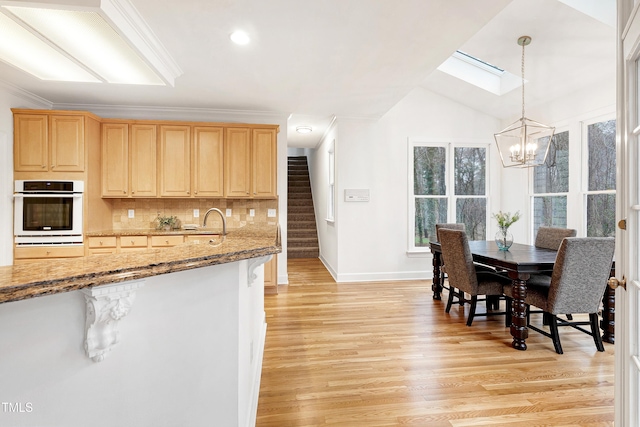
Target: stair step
(302,234)
(300,216)
(300,196)
(293,211)
(299,183)
(307,243)
(300,201)
(308,225)
(303,253)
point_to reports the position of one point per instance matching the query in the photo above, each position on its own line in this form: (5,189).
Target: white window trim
(449,144)
(584,164)
(533,195)
(331,185)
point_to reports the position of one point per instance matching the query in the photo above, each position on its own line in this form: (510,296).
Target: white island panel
(189,354)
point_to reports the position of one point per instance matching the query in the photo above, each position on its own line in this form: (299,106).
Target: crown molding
(141,112)
(126,19)
(26,95)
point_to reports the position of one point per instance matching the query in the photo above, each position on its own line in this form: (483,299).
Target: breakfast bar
(171,336)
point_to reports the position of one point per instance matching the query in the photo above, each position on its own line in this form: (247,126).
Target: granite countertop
(46,277)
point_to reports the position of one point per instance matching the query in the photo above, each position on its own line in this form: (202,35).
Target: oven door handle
(45,195)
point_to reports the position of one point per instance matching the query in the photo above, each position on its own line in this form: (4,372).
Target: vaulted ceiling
(316,59)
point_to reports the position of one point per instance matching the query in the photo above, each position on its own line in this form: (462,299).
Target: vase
(504,239)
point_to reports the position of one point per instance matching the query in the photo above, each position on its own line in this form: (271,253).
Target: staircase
(302,235)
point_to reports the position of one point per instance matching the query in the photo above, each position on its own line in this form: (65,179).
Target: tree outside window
(434,173)
(601,177)
(551,185)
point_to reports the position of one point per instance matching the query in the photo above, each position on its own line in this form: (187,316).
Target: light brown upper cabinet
(208,161)
(237,162)
(250,163)
(263,155)
(175,161)
(48,143)
(115,159)
(143,168)
(129,166)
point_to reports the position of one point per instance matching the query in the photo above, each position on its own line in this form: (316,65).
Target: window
(331,193)
(438,168)
(601,178)
(551,185)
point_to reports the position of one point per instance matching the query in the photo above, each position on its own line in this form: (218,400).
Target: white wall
(369,239)
(10,97)
(372,237)
(318,160)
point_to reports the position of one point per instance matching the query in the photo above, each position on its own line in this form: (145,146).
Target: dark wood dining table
(519,262)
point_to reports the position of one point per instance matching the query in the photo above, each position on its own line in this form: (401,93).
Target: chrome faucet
(224,220)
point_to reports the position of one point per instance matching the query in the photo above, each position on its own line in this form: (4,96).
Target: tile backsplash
(147,210)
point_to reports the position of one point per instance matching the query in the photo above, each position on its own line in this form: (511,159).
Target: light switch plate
(228,212)
(196,213)
(252,212)
(132,213)
(271,213)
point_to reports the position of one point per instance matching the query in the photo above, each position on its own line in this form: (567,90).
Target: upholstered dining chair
(451,226)
(464,274)
(551,237)
(578,281)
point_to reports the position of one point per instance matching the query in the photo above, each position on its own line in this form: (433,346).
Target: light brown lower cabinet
(101,245)
(166,241)
(271,276)
(38,253)
(133,243)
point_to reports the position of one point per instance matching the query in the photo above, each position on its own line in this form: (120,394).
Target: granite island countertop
(46,277)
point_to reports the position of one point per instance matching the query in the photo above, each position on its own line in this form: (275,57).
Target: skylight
(83,46)
(480,73)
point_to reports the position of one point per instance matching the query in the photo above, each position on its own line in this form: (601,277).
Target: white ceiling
(314,60)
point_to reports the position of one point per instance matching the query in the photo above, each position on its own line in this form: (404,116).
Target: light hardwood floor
(386,354)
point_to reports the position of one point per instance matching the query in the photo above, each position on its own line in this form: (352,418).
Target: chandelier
(525,142)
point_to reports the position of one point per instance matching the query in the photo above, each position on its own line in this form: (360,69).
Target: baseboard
(328,267)
(384,276)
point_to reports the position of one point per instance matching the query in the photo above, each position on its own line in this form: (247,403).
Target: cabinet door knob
(132,242)
(48,252)
(124,191)
(100,242)
(166,241)
(44,166)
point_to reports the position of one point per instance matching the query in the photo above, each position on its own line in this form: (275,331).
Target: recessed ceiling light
(239,37)
(304,129)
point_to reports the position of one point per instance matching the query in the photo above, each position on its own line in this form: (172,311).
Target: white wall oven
(48,212)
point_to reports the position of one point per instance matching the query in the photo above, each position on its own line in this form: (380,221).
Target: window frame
(452,198)
(331,183)
(566,195)
(584,165)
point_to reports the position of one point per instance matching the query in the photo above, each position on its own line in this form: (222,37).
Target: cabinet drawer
(102,242)
(133,241)
(49,252)
(202,238)
(166,241)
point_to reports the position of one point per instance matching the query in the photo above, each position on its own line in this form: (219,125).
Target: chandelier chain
(522,73)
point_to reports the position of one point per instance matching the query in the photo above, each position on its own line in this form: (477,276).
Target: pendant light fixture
(524,143)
